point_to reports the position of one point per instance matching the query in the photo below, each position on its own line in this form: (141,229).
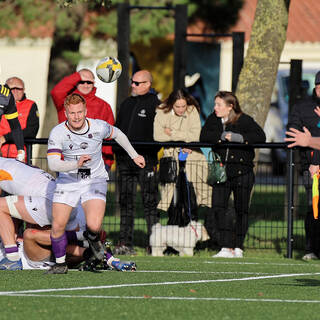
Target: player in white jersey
(82,175)
(32,190)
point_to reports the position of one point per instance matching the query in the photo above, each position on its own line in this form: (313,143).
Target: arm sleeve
(124,142)
(253,132)
(211,131)
(32,126)
(56,164)
(17,135)
(158,127)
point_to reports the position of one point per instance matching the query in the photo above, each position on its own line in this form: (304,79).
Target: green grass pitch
(268,287)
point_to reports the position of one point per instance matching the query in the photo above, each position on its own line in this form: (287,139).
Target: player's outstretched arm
(124,142)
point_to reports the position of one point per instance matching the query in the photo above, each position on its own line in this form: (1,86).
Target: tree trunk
(258,75)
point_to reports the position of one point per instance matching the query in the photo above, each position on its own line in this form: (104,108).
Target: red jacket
(96,107)
(24,107)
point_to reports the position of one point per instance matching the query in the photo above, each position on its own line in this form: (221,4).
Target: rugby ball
(108,69)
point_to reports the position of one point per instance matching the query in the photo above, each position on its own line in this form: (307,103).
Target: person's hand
(2,140)
(21,155)
(139,161)
(298,138)
(228,136)
(317,111)
(186,150)
(167,131)
(313,169)
(83,159)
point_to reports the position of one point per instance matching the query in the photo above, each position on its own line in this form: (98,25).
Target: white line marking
(266,263)
(159,283)
(164,298)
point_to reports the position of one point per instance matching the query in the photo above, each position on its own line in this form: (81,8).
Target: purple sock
(59,245)
(71,236)
(108,255)
(12,249)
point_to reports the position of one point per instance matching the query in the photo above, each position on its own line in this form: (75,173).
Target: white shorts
(81,191)
(40,209)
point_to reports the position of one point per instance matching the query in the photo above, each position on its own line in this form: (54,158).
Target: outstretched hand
(298,138)
(139,161)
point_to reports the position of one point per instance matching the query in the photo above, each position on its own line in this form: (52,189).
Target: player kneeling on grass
(82,175)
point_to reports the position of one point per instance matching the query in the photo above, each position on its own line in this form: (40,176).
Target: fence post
(180,48)
(29,152)
(237,57)
(290,184)
(123,39)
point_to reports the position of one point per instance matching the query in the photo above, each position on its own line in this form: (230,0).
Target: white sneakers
(238,253)
(309,256)
(229,253)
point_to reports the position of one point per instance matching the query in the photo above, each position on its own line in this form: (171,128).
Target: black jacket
(303,115)
(135,119)
(240,160)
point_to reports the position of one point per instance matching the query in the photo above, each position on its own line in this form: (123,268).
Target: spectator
(303,115)
(28,118)
(135,119)
(229,124)
(82,175)
(82,82)
(9,110)
(178,119)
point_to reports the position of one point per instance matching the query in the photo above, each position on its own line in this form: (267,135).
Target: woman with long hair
(178,119)
(228,123)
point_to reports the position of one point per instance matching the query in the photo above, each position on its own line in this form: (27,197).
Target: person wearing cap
(303,115)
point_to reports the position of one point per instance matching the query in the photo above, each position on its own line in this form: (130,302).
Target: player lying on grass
(82,175)
(33,205)
(37,252)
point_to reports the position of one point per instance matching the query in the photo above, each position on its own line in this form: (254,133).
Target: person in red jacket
(28,116)
(82,82)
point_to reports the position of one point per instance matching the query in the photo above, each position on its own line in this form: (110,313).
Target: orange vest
(23,108)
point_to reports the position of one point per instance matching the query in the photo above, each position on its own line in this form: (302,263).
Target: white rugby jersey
(21,179)
(63,141)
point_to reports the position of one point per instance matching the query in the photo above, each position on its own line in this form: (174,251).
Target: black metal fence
(277,210)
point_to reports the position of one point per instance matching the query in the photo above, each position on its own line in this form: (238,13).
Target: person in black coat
(303,115)
(228,123)
(135,119)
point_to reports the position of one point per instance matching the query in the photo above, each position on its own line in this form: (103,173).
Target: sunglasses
(137,83)
(16,88)
(85,82)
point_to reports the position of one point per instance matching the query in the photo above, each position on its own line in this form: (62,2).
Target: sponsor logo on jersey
(84,145)
(142,113)
(70,146)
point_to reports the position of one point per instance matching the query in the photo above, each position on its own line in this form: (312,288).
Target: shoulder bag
(216,170)
(168,170)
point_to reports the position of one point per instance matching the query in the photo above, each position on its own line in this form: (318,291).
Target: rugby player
(34,205)
(82,175)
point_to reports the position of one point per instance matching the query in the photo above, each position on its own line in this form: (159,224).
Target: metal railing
(288,186)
